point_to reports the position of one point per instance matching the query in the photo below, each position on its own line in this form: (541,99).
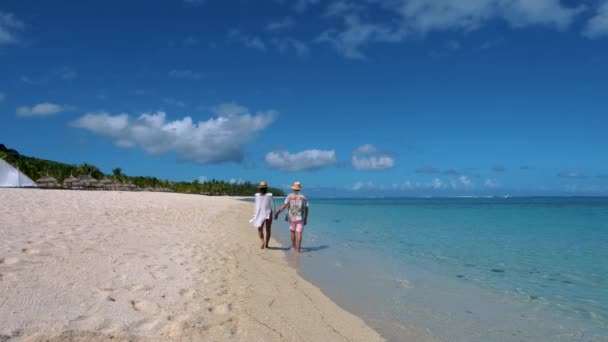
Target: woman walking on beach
(297,214)
(262,214)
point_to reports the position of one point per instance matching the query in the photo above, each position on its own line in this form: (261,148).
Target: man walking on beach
(297,214)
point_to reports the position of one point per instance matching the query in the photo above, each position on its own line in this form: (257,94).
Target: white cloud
(571,174)
(437,183)
(236,181)
(8,26)
(465,180)
(597,27)
(305,160)
(202,179)
(42,109)
(425,16)
(491,183)
(185,74)
(284,24)
(249,41)
(415,18)
(2,97)
(217,140)
(357,34)
(367,157)
(363,186)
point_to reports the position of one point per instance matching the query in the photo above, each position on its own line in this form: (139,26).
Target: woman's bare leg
(261,234)
(268,227)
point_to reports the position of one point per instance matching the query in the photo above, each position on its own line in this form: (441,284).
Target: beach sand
(125,266)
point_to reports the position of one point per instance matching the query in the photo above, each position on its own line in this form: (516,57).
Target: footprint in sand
(158,275)
(145,306)
(148,324)
(32,251)
(188,293)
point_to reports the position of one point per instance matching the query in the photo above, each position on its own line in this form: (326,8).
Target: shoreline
(152,266)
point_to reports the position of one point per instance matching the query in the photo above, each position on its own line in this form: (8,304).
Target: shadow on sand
(278,248)
(314,249)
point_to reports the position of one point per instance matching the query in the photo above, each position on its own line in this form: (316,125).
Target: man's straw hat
(262,185)
(296,186)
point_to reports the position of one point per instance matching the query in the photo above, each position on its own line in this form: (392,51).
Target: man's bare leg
(299,241)
(268,227)
(293,240)
(261,233)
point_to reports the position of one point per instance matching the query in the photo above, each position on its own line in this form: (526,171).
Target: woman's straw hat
(296,186)
(262,185)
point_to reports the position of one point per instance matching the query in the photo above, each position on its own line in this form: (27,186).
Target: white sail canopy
(10,177)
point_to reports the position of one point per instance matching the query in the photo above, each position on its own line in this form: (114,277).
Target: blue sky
(352,98)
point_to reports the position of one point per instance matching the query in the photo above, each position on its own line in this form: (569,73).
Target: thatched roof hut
(69,182)
(87,182)
(47,182)
(105,183)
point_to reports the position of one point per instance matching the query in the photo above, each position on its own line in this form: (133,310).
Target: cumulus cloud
(301,161)
(490,183)
(9,25)
(571,174)
(202,179)
(42,109)
(185,74)
(465,180)
(367,157)
(217,140)
(597,27)
(415,18)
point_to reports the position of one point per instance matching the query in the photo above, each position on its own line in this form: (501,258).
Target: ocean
(462,269)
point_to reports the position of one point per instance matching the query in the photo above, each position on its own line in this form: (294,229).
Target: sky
(351,98)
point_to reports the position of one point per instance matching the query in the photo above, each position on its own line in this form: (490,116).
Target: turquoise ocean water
(463,269)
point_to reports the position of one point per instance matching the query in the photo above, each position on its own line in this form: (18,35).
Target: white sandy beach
(79,265)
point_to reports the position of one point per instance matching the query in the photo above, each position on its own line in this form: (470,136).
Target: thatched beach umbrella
(69,182)
(105,183)
(48,182)
(86,181)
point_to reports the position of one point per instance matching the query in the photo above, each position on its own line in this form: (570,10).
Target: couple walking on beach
(297,214)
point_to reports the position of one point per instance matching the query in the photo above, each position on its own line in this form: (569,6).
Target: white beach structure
(10,177)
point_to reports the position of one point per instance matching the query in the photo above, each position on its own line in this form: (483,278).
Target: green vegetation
(36,168)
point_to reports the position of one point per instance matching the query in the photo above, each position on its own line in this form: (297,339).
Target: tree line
(37,168)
